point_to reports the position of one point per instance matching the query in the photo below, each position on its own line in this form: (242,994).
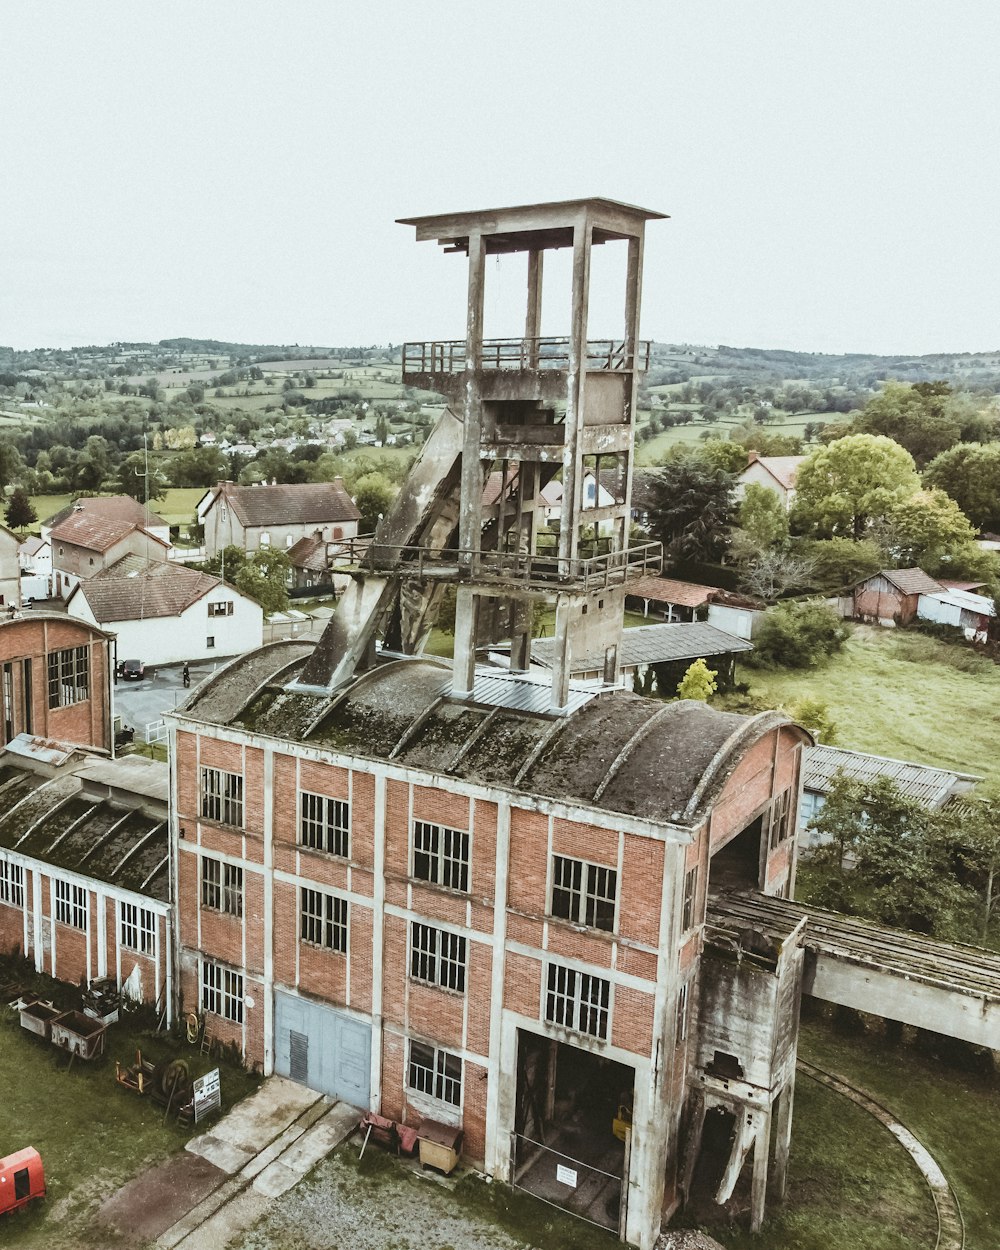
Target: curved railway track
(951,1225)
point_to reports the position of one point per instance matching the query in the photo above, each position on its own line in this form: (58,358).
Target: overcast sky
(234,170)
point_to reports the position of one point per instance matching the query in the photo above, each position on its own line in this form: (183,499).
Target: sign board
(565,1175)
(207,1095)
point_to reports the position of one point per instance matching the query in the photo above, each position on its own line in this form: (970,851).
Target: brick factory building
(475,892)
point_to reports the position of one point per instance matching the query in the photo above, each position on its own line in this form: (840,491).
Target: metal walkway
(949,988)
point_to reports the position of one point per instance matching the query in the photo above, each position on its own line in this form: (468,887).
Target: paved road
(139,703)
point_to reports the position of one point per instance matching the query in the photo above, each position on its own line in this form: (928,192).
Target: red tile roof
(784,469)
(133,590)
(667,590)
(118,507)
(312,503)
(96,532)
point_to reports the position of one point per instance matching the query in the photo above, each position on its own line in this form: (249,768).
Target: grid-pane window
(690,895)
(437,957)
(138,929)
(68,676)
(71,904)
(781,818)
(222,886)
(435,1072)
(325,824)
(577,1000)
(441,855)
(584,893)
(11,883)
(222,796)
(324,919)
(222,992)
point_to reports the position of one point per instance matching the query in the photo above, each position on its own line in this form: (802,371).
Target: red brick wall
(641,889)
(528,864)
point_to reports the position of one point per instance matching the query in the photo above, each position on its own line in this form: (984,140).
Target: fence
(583,1189)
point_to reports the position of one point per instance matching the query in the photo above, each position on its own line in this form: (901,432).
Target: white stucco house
(167,613)
(776,473)
(251,517)
(10,569)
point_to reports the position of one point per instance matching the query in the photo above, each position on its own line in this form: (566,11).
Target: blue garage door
(324,1049)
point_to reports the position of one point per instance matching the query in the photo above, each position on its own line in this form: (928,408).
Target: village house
(88,541)
(250,517)
(10,570)
(110,508)
(167,613)
(775,473)
(56,679)
(891,596)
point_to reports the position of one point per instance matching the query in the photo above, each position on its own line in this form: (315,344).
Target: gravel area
(383,1205)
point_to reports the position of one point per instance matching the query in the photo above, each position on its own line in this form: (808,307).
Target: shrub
(798,635)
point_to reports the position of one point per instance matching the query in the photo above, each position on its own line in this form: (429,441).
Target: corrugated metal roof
(967,600)
(525,693)
(922,782)
(653,644)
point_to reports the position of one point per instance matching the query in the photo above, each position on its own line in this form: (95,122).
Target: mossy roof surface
(96,837)
(618,752)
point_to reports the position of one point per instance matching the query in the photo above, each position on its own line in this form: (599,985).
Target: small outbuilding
(891,596)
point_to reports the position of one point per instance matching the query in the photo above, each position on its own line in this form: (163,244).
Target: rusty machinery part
(192,1023)
(174,1075)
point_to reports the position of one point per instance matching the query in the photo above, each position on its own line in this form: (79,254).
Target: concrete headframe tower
(532,407)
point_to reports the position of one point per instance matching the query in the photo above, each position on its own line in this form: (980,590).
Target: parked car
(132,670)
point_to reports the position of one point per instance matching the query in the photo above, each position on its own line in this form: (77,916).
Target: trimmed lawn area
(92,1134)
(894,693)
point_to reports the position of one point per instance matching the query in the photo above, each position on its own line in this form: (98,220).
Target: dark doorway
(574,1110)
(737,866)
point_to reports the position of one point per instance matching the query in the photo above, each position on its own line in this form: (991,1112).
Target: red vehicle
(22,1178)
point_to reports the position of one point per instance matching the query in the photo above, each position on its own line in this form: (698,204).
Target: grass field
(794,426)
(898,694)
(92,1135)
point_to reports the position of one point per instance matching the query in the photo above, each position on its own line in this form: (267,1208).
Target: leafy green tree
(20,512)
(132,477)
(815,715)
(842,487)
(698,682)
(11,464)
(916,417)
(201,466)
(373,496)
(762,517)
(889,858)
(924,529)
(716,453)
(840,562)
(264,577)
(692,509)
(970,474)
(800,634)
(975,828)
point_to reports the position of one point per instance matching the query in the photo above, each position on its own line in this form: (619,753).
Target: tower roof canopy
(529,227)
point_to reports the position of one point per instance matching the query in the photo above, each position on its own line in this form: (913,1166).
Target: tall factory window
(441,855)
(323,920)
(222,797)
(221,886)
(11,883)
(437,957)
(781,818)
(138,929)
(577,1000)
(435,1072)
(325,824)
(69,676)
(584,893)
(690,897)
(71,904)
(222,991)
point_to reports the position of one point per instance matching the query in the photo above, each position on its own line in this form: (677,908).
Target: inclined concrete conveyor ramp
(941,986)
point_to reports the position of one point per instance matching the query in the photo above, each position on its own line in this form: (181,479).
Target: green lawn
(920,709)
(851,1186)
(92,1134)
(956,1115)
